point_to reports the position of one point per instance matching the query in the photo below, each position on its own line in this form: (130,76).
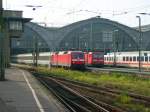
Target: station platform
(21,92)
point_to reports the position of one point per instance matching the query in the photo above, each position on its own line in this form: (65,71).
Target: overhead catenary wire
(80,8)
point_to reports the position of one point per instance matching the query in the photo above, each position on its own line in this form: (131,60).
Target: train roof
(20,55)
(31,54)
(130,53)
(67,52)
(95,52)
(45,53)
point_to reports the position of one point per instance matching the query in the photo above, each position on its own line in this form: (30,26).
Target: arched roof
(48,35)
(54,36)
(66,29)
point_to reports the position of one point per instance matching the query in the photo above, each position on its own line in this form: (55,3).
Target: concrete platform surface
(21,92)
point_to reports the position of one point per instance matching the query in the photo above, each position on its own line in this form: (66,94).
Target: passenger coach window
(127,58)
(142,58)
(146,58)
(134,58)
(137,58)
(130,58)
(110,58)
(123,58)
(107,58)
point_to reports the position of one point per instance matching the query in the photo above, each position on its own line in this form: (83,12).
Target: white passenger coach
(128,59)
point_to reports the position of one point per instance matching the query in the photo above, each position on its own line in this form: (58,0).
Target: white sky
(63,12)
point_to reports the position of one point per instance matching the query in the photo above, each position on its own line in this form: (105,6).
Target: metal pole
(1,4)
(35,52)
(139,48)
(2,68)
(78,42)
(91,36)
(115,46)
(114,41)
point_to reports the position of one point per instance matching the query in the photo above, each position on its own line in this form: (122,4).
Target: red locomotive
(71,59)
(94,58)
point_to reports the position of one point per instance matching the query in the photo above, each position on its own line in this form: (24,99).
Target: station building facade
(91,34)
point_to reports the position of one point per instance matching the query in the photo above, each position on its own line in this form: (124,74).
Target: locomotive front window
(98,55)
(77,55)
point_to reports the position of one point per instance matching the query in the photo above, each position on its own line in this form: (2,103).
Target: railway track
(73,100)
(100,90)
(144,73)
(104,91)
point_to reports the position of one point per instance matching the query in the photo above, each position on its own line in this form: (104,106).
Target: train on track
(70,59)
(28,58)
(128,59)
(94,58)
(79,59)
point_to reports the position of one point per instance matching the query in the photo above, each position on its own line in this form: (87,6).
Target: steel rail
(70,97)
(132,71)
(100,103)
(138,98)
